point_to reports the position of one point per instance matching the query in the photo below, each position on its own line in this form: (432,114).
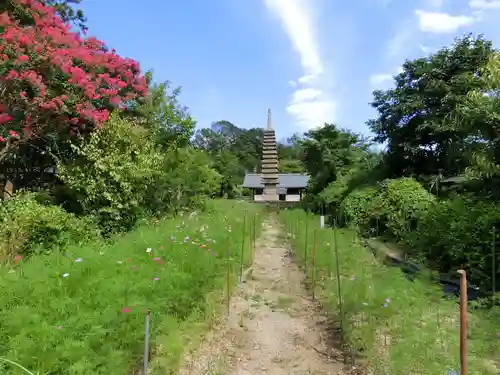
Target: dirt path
(273,327)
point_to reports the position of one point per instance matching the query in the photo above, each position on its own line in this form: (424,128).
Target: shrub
(458,233)
(112,171)
(393,207)
(405,202)
(119,175)
(188,179)
(32,227)
(449,235)
(334,194)
(362,208)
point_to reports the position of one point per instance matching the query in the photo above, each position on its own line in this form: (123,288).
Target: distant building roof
(285,180)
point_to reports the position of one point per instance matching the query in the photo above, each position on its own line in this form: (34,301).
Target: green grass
(396,326)
(82,312)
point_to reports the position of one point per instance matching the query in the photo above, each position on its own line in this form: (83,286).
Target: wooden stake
(305,243)
(146,342)
(242,258)
(493,266)
(463,322)
(254,233)
(314,268)
(250,246)
(339,287)
(228,273)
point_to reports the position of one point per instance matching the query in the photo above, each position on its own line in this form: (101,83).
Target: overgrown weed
(82,311)
(400,327)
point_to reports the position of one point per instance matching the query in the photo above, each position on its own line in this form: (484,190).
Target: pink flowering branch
(51,79)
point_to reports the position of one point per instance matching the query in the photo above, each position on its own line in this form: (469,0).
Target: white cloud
(411,35)
(441,23)
(308,94)
(308,78)
(312,114)
(310,105)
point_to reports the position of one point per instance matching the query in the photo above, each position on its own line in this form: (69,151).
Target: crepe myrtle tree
(53,81)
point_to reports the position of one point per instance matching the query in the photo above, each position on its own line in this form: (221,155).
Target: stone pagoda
(270,176)
(269,185)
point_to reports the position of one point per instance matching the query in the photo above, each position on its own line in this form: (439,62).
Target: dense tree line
(434,189)
(90,142)
(90,145)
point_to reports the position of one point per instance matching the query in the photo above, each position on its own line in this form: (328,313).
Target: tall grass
(82,312)
(397,326)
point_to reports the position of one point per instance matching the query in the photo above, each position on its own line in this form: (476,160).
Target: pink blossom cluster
(52,78)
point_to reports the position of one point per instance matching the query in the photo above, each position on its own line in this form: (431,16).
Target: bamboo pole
(314,268)
(228,281)
(463,322)
(242,258)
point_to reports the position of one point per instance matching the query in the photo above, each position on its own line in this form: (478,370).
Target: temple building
(270,185)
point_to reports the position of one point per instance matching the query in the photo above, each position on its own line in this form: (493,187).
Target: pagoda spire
(270,175)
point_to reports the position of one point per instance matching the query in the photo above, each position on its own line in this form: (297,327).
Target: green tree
(234,151)
(289,153)
(414,117)
(68,13)
(165,117)
(188,179)
(480,113)
(328,152)
(110,172)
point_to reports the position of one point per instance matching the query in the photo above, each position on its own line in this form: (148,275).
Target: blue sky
(310,61)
